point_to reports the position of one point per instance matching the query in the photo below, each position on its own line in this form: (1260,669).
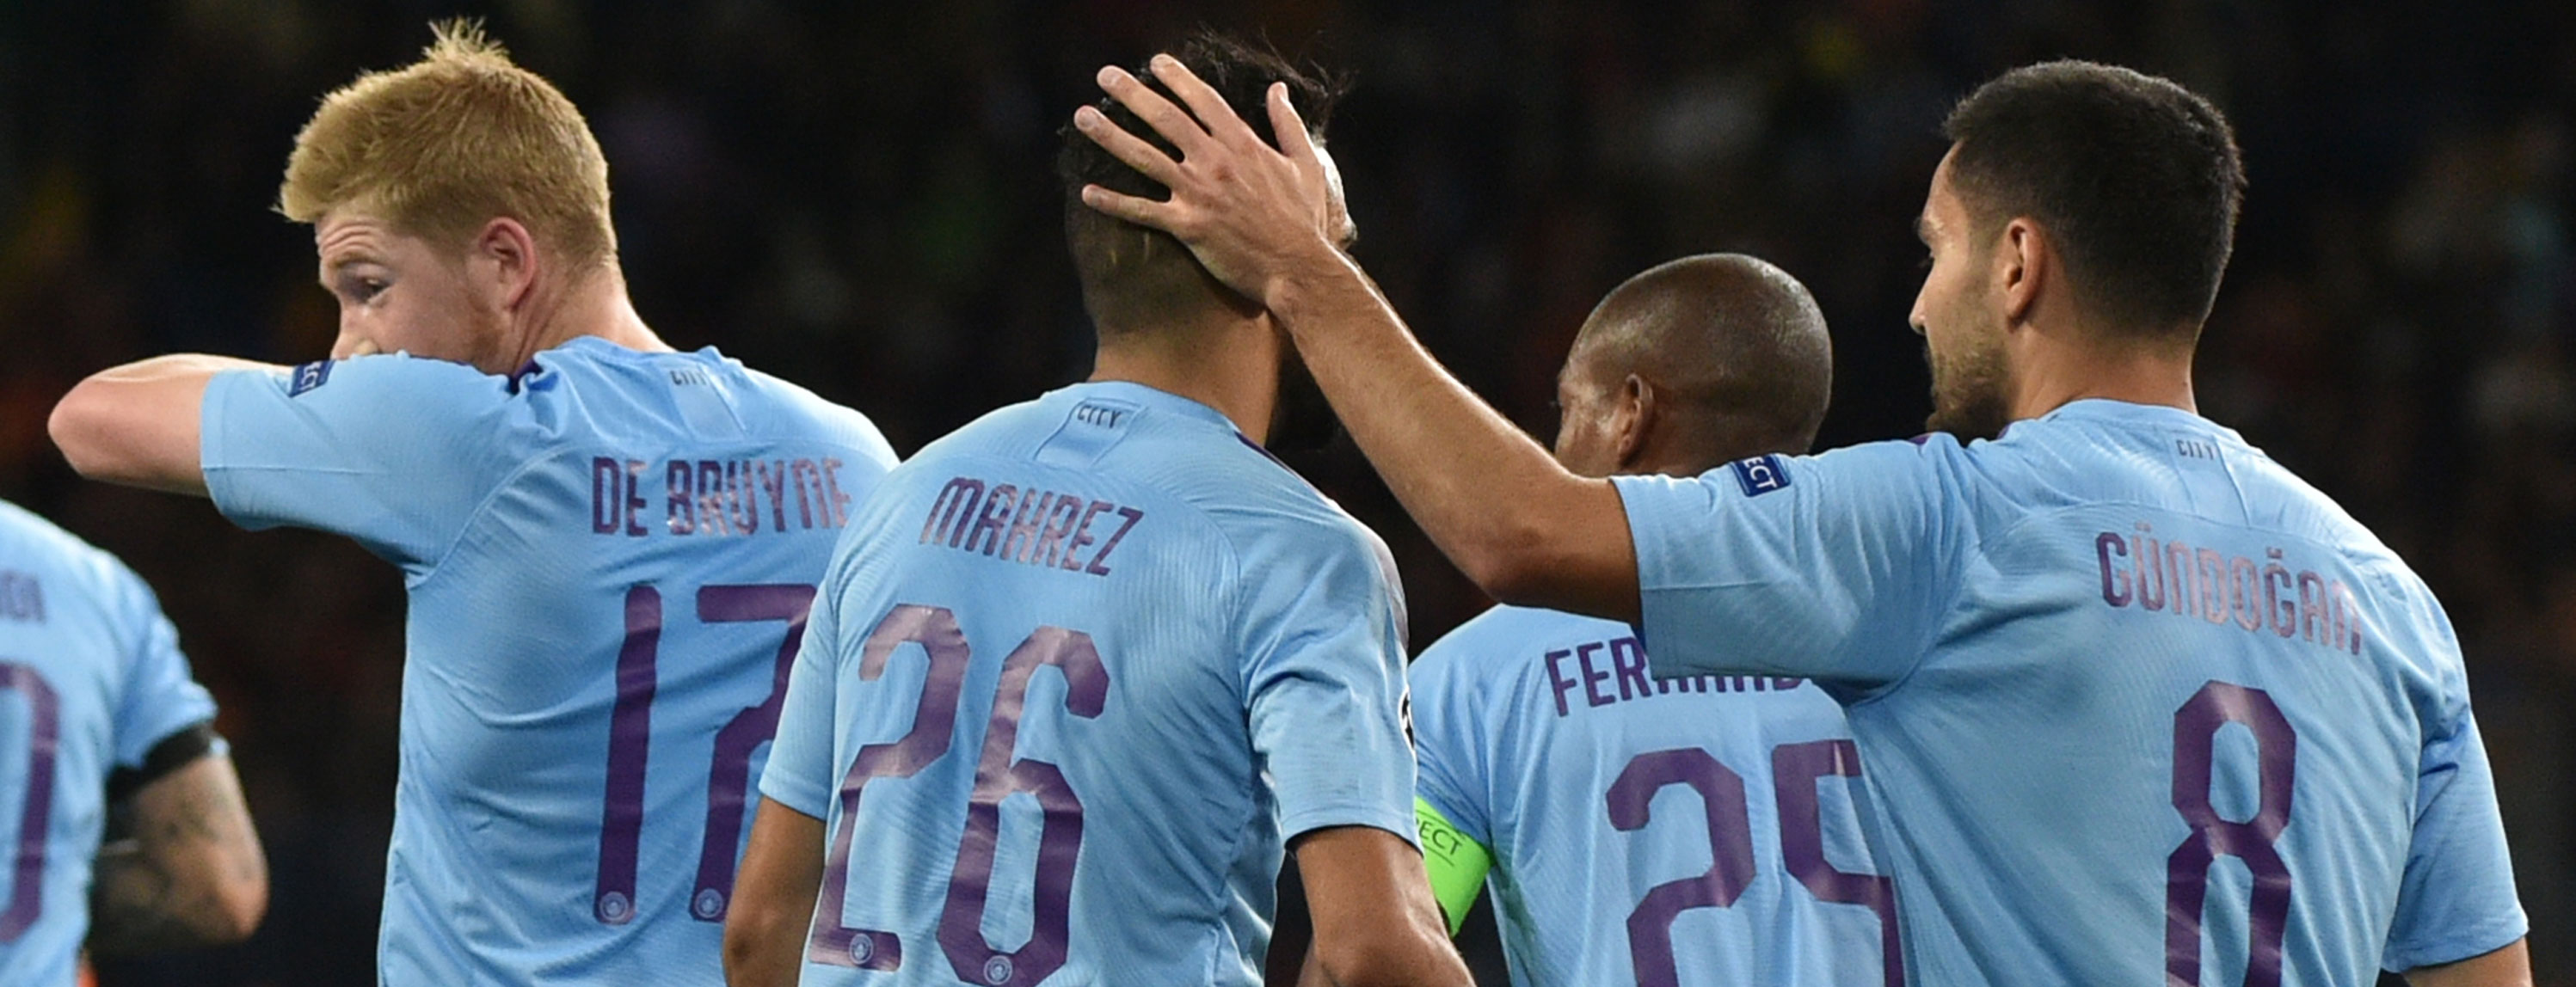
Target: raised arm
(1375,921)
(773,898)
(189,874)
(1516,522)
(137,424)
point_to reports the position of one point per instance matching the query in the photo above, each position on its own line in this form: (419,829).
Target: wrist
(1307,280)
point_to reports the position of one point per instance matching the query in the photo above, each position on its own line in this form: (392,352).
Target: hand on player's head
(1248,211)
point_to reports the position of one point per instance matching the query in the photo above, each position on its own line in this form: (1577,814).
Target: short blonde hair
(444,145)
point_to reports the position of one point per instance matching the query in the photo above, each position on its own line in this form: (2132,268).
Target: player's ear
(2024,260)
(1630,417)
(504,256)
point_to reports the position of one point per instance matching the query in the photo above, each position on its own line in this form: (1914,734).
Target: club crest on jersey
(309,376)
(1760,474)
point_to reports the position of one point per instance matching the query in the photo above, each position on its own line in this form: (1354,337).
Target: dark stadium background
(858,197)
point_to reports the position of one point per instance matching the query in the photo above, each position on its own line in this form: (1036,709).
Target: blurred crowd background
(859,197)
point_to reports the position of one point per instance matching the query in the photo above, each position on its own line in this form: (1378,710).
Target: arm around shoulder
(137,424)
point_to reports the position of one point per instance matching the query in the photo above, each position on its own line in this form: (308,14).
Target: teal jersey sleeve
(161,696)
(1832,567)
(1324,685)
(392,451)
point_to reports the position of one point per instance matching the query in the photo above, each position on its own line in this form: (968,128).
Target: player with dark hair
(103,733)
(609,546)
(1112,601)
(2134,698)
(1657,832)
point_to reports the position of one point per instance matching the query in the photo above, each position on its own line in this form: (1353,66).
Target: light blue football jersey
(1077,671)
(609,557)
(1699,830)
(91,679)
(2136,702)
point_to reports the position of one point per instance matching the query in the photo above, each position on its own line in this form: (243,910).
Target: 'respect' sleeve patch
(309,376)
(1760,474)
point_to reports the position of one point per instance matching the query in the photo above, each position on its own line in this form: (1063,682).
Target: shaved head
(1732,350)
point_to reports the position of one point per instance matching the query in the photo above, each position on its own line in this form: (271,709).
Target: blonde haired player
(610,546)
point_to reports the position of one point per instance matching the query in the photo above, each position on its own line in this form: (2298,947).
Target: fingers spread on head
(1171,121)
(1128,148)
(1290,128)
(1219,118)
(1134,209)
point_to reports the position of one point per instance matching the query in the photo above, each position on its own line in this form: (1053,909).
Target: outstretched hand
(1250,212)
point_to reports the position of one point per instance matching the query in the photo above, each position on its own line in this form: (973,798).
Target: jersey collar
(2130,413)
(1157,399)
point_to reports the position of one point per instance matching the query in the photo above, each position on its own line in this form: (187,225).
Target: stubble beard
(1969,391)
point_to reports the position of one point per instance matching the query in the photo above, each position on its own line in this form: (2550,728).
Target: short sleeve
(2457,898)
(1832,567)
(161,697)
(392,451)
(799,773)
(1324,679)
(1449,763)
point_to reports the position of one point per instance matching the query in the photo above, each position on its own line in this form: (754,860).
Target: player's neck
(594,305)
(1232,368)
(2063,371)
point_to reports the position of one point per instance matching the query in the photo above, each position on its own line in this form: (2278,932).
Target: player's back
(1219,636)
(1690,830)
(2139,703)
(610,556)
(89,679)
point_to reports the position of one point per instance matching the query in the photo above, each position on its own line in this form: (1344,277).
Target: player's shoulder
(797,408)
(61,561)
(1506,635)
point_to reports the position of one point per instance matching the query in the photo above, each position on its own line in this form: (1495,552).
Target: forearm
(137,424)
(2507,967)
(1512,518)
(773,898)
(191,875)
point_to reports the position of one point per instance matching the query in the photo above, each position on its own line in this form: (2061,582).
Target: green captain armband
(1457,864)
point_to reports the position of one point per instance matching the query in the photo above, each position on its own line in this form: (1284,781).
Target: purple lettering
(1628,660)
(987,535)
(1099,560)
(774,483)
(2151,575)
(1082,535)
(1060,520)
(710,492)
(742,504)
(962,498)
(2242,578)
(2115,591)
(2283,612)
(1592,678)
(684,511)
(1557,680)
(832,482)
(2312,607)
(604,495)
(634,498)
(2213,586)
(1025,525)
(801,475)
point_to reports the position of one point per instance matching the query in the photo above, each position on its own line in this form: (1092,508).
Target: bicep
(1577,554)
